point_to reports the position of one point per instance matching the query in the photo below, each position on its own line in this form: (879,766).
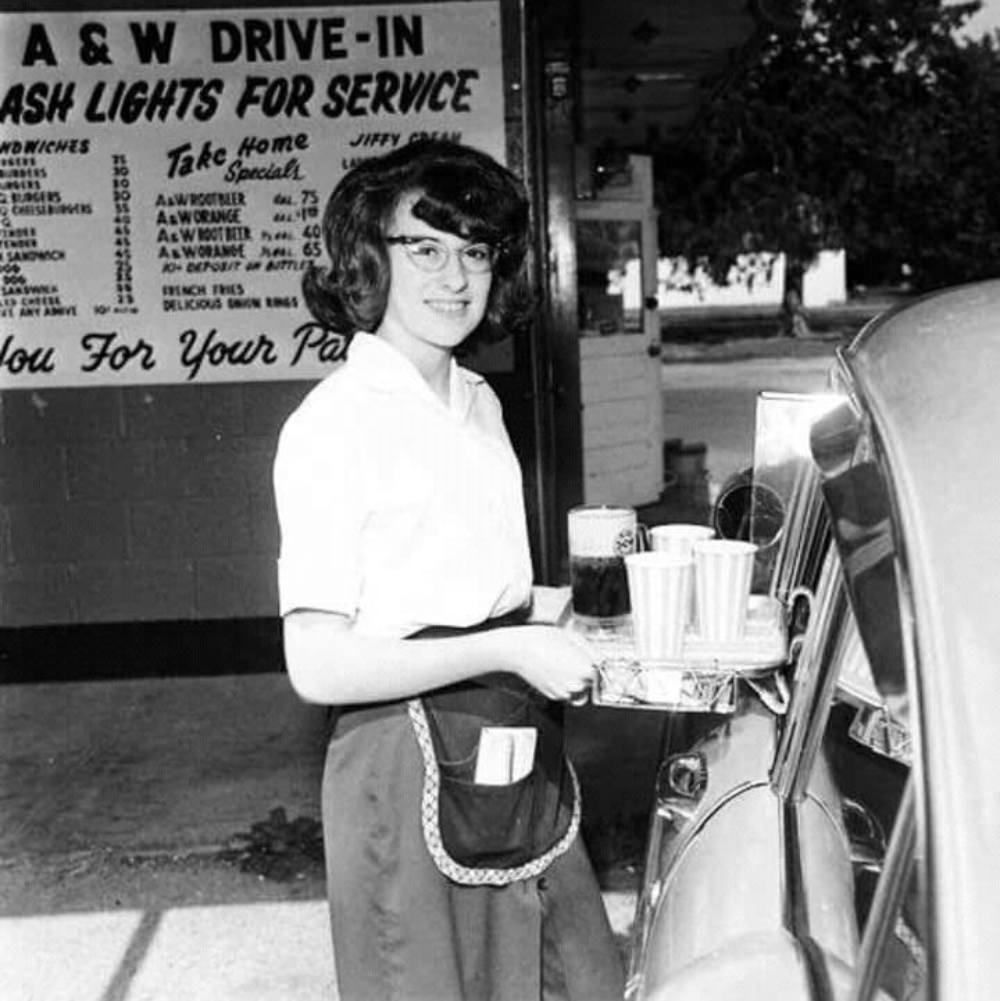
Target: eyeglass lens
(431,255)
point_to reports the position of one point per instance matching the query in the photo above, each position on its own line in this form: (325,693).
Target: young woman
(401,513)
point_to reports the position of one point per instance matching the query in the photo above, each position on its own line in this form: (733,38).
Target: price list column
(312,246)
(292,238)
(121,221)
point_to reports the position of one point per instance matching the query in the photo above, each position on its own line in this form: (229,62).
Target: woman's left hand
(551,660)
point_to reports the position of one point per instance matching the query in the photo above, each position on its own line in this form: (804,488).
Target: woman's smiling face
(432,309)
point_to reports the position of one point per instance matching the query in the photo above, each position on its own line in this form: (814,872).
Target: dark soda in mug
(600,536)
(599,587)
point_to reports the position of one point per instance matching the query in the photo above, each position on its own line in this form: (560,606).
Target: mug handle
(806,595)
(803,594)
(642,543)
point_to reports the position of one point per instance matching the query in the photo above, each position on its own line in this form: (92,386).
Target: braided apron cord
(468,875)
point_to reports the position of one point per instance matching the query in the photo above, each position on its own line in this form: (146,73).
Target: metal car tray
(704,678)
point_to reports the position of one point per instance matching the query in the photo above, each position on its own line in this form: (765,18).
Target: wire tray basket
(704,678)
(630,683)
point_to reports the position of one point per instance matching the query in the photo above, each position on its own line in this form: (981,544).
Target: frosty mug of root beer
(600,537)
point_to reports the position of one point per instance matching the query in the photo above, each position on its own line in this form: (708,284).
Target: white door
(620,379)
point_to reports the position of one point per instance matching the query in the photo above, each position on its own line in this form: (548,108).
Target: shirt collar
(386,369)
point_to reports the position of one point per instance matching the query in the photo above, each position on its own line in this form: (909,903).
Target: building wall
(139,503)
(758,281)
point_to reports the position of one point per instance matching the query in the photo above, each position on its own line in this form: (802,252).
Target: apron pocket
(484,834)
(485,825)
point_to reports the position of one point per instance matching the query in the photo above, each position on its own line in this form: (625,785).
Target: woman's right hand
(550,659)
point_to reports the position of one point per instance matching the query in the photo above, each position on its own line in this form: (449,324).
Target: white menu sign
(163,175)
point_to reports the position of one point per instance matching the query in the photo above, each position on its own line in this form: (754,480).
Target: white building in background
(756,281)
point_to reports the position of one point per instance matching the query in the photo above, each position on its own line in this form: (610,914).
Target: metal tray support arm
(814,686)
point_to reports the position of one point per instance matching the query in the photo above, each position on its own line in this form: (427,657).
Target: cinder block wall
(138,504)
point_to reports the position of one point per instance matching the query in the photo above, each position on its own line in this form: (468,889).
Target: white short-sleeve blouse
(396,509)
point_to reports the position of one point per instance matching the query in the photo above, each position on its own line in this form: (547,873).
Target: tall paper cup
(677,539)
(723,569)
(659,587)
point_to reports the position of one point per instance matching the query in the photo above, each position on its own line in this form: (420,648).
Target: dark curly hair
(462,191)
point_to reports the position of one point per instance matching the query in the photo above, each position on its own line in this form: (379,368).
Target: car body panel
(764,965)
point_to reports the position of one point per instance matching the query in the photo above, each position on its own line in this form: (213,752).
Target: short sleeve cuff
(300,586)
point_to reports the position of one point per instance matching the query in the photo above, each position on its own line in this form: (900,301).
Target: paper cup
(723,570)
(678,537)
(659,589)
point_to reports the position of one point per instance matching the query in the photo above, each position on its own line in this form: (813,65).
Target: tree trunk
(794,318)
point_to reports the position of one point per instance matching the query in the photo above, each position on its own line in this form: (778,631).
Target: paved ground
(714,402)
(715,367)
(115,800)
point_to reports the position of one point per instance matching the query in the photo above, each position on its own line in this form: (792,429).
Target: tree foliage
(874,127)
